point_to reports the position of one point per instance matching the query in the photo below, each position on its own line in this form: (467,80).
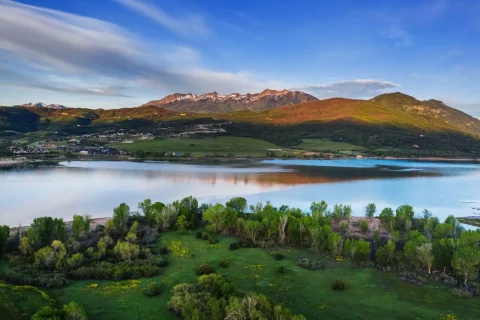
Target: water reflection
(96,187)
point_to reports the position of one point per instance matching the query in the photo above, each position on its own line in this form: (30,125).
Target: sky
(123,53)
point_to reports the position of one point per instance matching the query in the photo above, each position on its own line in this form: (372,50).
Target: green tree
(282,223)
(121,214)
(59,231)
(167,216)
(75,261)
(443,252)
(25,247)
(214,216)
(443,230)
(126,251)
(425,255)
(465,261)
(86,223)
(376,236)
(370,210)
(41,232)
(253,228)
(4,234)
(384,255)
(78,226)
(238,204)
(387,217)
(318,209)
(363,251)
(182,224)
(335,243)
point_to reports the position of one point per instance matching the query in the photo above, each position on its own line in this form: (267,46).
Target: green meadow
(371,294)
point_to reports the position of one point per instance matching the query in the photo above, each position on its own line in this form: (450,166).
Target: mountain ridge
(213,102)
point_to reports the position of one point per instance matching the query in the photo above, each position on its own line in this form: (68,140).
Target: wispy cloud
(188,25)
(361,88)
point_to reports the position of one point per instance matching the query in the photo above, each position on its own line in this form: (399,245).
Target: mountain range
(44,105)
(392,121)
(216,103)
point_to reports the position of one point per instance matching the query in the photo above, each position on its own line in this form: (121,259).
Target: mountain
(44,105)
(392,122)
(217,103)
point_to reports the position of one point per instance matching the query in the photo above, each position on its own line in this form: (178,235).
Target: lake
(96,187)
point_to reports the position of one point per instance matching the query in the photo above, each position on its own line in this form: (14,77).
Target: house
(84,152)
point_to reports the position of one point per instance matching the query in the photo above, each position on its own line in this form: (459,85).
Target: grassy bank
(370,293)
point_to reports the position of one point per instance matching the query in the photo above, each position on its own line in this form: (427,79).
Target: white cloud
(187,25)
(361,88)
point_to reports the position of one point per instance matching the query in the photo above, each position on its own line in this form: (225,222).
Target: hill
(387,123)
(216,103)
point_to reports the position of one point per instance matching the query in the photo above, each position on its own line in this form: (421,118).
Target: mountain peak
(213,102)
(44,105)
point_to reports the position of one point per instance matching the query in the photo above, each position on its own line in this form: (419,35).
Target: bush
(412,278)
(224,263)
(281,269)
(212,240)
(205,236)
(460,293)
(74,311)
(163,250)
(364,226)
(339,284)
(34,277)
(203,269)
(279,256)
(310,264)
(234,246)
(198,234)
(153,289)
(47,313)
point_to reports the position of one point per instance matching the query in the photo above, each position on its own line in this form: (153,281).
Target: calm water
(97,187)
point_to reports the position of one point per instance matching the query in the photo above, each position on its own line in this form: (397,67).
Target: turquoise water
(97,187)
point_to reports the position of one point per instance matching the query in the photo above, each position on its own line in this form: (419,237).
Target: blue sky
(123,53)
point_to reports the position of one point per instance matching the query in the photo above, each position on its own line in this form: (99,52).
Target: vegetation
(422,257)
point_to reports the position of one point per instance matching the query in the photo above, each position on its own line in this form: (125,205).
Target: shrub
(212,240)
(224,263)
(163,250)
(460,293)
(198,234)
(205,236)
(153,289)
(35,277)
(279,256)
(234,246)
(364,226)
(281,269)
(311,265)
(47,313)
(339,284)
(203,269)
(74,311)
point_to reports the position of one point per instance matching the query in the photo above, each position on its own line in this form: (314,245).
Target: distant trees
(466,260)
(4,234)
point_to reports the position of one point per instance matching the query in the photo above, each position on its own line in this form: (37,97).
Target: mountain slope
(216,103)
(44,105)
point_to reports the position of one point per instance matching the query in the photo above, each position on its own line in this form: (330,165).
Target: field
(327,145)
(237,146)
(370,294)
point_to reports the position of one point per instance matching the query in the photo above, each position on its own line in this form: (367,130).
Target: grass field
(327,145)
(370,294)
(237,146)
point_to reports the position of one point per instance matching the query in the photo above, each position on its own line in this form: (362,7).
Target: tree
(41,232)
(182,224)
(425,255)
(238,204)
(86,223)
(78,226)
(318,209)
(75,261)
(4,234)
(121,214)
(59,231)
(466,260)
(253,227)
(51,257)
(428,228)
(443,253)
(74,311)
(146,208)
(282,223)
(188,207)
(384,255)
(126,251)
(25,247)
(167,216)
(132,234)
(370,210)
(315,232)
(363,251)
(443,230)
(387,218)
(405,212)
(214,216)
(335,243)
